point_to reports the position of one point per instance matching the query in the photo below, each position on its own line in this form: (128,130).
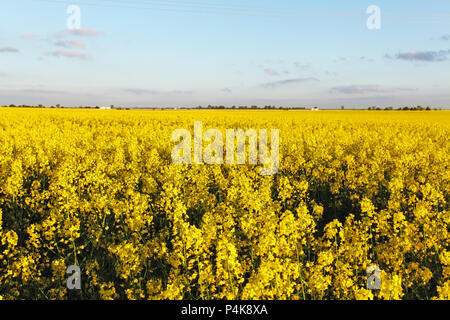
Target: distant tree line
(418,108)
(254,107)
(62,107)
(211,107)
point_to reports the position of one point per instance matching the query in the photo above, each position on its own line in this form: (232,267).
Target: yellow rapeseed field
(98,189)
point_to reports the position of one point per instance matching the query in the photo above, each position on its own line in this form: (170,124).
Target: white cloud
(138,91)
(76,43)
(67,54)
(78,32)
(29,35)
(287,82)
(271,72)
(8,49)
(430,56)
(364,89)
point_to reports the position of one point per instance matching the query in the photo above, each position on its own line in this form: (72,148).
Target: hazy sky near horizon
(198,52)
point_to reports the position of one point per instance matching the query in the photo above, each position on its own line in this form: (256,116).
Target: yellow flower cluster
(98,189)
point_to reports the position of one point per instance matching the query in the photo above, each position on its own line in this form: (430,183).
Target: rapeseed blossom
(98,189)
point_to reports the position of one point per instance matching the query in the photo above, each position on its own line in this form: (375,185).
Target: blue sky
(139,53)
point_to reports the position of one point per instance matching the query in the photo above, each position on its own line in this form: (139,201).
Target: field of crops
(98,189)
